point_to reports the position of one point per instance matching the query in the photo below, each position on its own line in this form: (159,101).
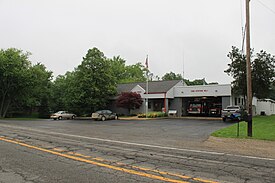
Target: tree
(118,68)
(195,82)
(38,95)
(92,83)
(134,73)
(90,86)
(129,100)
(272,91)
(127,73)
(61,91)
(171,76)
(263,74)
(237,69)
(14,77)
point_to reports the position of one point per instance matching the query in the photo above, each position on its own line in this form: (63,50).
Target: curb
(194,118)
(144,119)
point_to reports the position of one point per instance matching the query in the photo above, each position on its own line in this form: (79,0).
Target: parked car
(62,115)
(104,115)
(234,113)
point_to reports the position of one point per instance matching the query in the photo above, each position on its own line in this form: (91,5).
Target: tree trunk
(2,104)
(244,98)
(129,111)
(6,109)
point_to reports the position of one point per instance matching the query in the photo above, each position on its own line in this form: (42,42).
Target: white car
(62,115)
(232,112)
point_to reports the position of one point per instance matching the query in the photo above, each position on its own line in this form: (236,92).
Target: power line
(243,37)
(264,5)
(242,25)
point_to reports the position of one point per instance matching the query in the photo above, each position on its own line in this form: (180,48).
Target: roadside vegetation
(27,88)
(152,115)
(261,62)
(263,129)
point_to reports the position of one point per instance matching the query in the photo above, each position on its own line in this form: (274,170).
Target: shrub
(152,115)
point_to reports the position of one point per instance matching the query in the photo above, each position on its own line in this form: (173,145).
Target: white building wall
(170,93)
(138,89)
(267,106)
(202,90)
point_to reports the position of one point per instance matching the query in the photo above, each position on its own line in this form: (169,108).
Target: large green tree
(118,68)
(197,82)
(174,76)
(61,92)
(237,69)
(127,73)
(135,73)
(38,94)
(14,78)
(93,83)
(171,76)
(90,86)
(263,73)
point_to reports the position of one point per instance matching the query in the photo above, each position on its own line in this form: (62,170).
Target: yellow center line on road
(157,171)
(134,172)
(80,155)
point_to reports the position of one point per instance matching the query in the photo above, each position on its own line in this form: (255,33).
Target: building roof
(154,86)
(266,100)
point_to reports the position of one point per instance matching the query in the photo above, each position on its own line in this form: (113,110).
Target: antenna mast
(183,64)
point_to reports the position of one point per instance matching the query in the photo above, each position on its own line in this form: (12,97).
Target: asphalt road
(121,151)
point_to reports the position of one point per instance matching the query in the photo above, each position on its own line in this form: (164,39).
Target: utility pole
(147,88)
(248,73)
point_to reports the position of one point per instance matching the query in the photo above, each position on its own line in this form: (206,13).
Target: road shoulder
(251,147)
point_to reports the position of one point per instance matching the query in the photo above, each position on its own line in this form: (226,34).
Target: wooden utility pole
(248,72)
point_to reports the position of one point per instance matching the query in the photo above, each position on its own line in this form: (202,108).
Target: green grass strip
(263,129)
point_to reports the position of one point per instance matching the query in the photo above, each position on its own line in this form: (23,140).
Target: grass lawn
(263,128)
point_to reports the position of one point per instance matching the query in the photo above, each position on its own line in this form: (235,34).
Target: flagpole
(147,88)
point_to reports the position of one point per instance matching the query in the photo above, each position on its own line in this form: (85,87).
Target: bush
(152,115)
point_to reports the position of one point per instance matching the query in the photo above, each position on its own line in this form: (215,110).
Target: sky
(181,36)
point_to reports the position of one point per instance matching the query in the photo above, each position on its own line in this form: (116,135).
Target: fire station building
(176,96)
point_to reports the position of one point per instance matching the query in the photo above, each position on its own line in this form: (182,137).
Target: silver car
(104,115)
(62,115)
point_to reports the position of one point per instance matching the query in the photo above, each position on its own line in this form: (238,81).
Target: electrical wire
(264,5)
(243,37)
(242,25)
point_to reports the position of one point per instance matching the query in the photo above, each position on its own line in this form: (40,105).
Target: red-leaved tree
(129,100)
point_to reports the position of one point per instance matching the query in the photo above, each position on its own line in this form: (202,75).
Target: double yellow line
(80,158)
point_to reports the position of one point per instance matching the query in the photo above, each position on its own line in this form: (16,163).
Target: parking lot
(165,132)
